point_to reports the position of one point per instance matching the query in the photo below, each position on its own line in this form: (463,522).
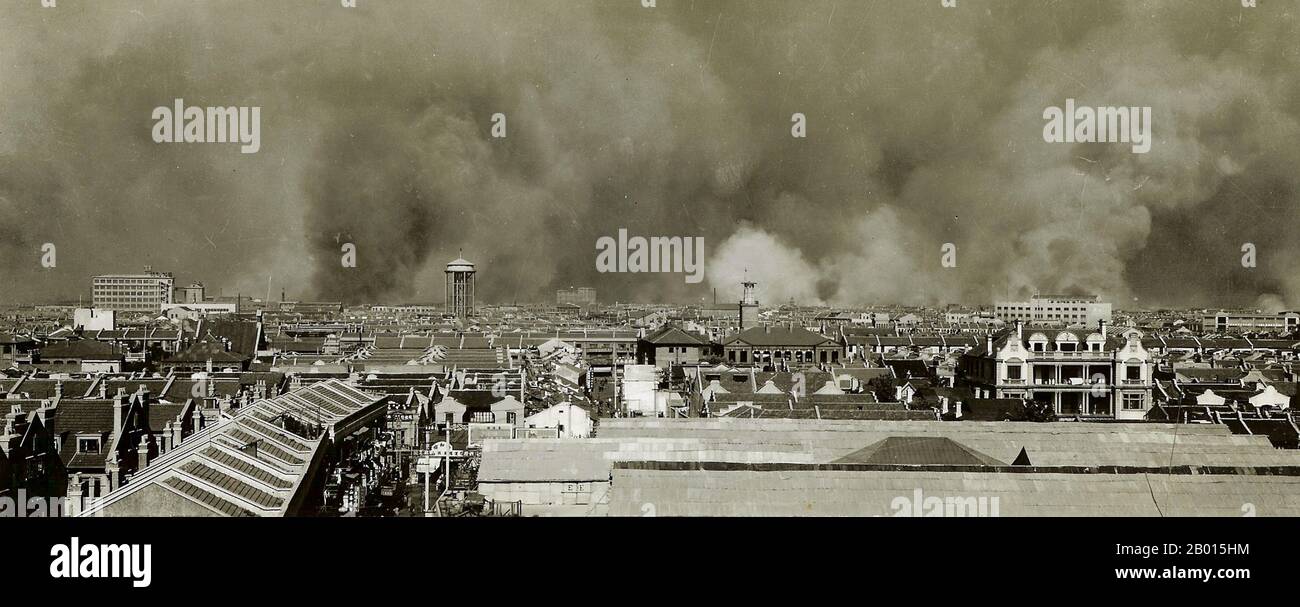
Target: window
(1133,372)
(87,445)
(1133,402)
(1014,371)
(450,419)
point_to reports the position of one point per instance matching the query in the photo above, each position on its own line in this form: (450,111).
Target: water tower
(460,288)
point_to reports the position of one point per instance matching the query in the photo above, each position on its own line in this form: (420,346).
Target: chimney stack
(1101,325)
(988,346)
(143,393)
(142,452)
(119,409)
(1020,330)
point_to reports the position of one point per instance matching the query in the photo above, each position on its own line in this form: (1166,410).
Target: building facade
(1079,374)
(1054,310)
(1229,321)
(581,296)
(144,293)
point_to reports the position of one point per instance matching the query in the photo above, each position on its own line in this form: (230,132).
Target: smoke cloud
(924,128)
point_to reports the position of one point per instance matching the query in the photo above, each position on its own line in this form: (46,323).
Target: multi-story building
(1237,321)
(1054,310)
(145,292)
(581,296)
(1080,374)
(192,294)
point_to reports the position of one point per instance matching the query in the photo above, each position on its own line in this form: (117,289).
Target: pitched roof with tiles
(779,336)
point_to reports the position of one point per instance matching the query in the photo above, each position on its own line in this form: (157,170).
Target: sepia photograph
(818,263)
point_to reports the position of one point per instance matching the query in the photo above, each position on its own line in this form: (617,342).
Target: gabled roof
(779,336)
(671,335)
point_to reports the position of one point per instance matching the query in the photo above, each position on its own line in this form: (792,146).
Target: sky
(924,128)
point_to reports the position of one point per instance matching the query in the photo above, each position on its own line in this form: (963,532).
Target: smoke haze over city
(923,128)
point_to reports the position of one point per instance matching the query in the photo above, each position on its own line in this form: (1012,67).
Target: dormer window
(88,444)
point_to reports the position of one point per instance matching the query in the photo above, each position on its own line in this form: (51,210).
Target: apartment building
(146,292)
(1054,310)
(1092,375)
(1243,321)
(581,296)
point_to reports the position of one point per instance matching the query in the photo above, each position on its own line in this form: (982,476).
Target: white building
(1055,310)
(94,319)
(638,392)
(145,292)
(571,421)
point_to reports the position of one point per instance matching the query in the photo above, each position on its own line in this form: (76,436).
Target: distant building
(1228,321)
(191,294)
(670,346)
(581,296)
(195,311)
(460,288)
(1078,373)
(781,346)
(145,292)
(748,306)
(1055,309)
(569,420)
(92,319)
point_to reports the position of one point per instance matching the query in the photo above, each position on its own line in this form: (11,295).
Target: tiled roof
(674,336)
(918,450)
(778,336)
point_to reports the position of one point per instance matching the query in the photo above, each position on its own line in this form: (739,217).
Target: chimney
(958,413)
(165,443)
(142,452)
(103,387)
(119,409)
(75,492)
(177,436)
(58,389)
(209,366)
(988,347)
(1101,326)
(1020,330)
(143,393)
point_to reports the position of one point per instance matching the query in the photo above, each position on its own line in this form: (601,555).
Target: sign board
(537,433)
(480,431)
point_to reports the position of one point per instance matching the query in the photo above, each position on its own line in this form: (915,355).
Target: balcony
(1076,355)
